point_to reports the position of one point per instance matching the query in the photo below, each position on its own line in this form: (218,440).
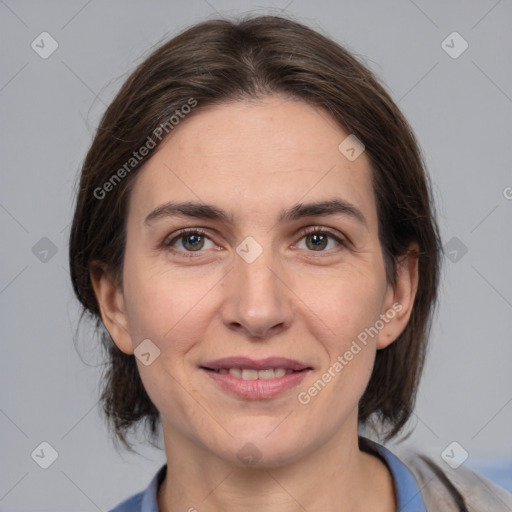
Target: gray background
(460,110)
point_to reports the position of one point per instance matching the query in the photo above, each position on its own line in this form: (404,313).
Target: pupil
(196,240)
(318,240)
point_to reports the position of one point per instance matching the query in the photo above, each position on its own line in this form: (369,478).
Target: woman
(255,236)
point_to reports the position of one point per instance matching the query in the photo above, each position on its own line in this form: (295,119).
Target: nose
(258,302)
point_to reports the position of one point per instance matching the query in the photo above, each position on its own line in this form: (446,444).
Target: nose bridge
(257,300)
(256,268)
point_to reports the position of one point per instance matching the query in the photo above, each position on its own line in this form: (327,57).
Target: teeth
(251,374)
(235,372)
(279,372)
(266,374)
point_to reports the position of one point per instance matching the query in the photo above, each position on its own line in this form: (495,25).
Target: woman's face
(255,283)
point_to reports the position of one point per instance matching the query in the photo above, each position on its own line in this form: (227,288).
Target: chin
(261,456)
(264,444)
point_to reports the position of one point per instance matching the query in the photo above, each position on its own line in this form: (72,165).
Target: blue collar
(407,492)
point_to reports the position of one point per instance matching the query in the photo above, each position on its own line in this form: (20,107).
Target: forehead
(252,158)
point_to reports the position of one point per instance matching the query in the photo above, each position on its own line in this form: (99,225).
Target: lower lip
(257,389)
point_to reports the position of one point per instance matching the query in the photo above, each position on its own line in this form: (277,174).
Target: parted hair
(219,61)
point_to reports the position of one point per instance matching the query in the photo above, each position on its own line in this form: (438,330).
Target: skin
(254,159)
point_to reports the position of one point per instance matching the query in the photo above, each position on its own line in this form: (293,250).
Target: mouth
(256,379)
(252,374)
(252,369)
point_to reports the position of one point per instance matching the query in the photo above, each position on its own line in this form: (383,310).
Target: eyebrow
(208,211)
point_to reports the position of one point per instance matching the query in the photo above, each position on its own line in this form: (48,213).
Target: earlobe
(400,298)
(112,307)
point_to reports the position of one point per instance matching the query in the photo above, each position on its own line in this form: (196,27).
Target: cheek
(171,311)
(168,308)
(342,315)
(348,311)
(345,305)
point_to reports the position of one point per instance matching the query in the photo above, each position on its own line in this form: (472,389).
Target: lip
(255,364)
(258,389)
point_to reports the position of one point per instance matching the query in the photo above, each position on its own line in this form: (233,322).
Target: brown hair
(218,61)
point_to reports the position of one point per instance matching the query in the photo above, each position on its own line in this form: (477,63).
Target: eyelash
(168,242)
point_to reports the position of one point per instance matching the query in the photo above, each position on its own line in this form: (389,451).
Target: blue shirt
(408,495)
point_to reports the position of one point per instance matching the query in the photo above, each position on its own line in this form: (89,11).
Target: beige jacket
(445,489)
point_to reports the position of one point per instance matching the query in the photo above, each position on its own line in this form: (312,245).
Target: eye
(190,240)
(317,239)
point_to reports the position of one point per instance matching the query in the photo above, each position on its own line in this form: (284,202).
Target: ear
(399,299)
(110,298)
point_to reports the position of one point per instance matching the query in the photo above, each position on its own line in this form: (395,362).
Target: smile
(251,379)
(252,374)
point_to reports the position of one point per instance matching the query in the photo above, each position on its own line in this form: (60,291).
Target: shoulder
(145,501)
(132,504)
(447,489)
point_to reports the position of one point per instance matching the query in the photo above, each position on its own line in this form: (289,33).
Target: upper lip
(255,364)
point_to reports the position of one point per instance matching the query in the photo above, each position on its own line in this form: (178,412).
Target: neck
(333,477)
